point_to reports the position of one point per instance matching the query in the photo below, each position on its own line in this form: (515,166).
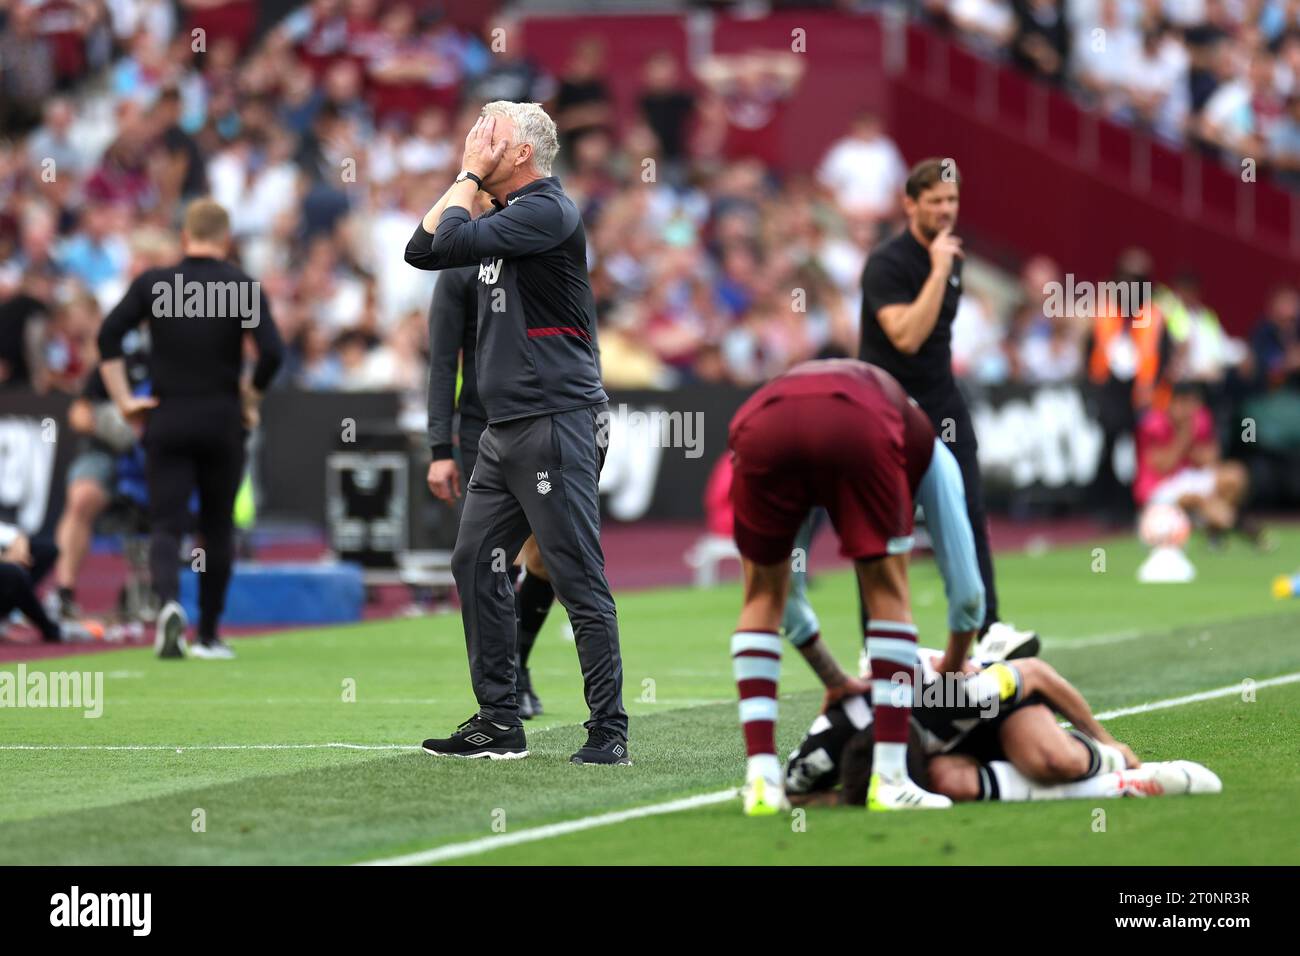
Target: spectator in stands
(625,361)
(123,175)
(990,24)
(1275,341)
(313,364)
(1105,44)
(1155,85)
(1035,350)
(1178,463)
(69,340)
(1284,141)
(53,141)
(978,337)
(1239,118)
(183,175)
(752,89)
(864,171)
(22,331)
(510,75)
(1203,352)
(1041,43)
(318,31)
(27,74)
(408,67)
(97,254)
(583,104)
(144,71)
(666,105)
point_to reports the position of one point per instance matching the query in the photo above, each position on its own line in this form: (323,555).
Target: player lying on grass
(990,734)
(842,435)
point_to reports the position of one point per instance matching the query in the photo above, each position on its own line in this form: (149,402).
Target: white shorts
(1199,482)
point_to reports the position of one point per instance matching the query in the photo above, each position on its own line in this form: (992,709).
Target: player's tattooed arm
(824,665)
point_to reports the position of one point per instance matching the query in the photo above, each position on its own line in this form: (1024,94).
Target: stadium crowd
(321,136)
(1221,75)
(709,262)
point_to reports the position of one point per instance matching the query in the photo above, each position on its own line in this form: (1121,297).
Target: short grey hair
(532,126)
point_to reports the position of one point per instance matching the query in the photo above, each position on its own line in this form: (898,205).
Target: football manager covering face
(541,454)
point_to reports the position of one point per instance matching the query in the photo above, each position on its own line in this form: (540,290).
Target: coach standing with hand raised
(910,290)
(540,456)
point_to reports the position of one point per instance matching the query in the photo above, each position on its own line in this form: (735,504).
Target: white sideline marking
(1092,640)
(1230,691)
(330,746)
(483,844)
(454,851)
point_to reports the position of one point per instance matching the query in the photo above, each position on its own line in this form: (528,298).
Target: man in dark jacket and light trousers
(541,454)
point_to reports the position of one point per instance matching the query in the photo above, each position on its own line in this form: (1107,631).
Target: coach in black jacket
(541,454)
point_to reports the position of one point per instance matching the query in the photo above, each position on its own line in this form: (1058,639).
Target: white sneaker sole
(515,755)
(198,652)
(163,638)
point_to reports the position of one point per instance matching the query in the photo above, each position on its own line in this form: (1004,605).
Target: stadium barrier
(1040,447)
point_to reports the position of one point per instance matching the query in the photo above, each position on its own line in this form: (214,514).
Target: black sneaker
(603,746)
(478,737)
(530,705)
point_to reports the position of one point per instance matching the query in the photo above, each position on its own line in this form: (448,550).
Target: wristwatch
(466,174)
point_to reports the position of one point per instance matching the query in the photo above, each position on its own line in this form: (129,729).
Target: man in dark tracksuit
(541,454)
(198,311)
(453,330)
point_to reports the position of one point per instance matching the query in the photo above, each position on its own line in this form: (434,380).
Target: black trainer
(478,737)
(605,747)
(530,705)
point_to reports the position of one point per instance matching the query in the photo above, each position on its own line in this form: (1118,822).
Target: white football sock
(890,761)
(1015,787)
(765,766)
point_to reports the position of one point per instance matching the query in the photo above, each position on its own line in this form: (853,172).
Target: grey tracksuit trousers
(541,474)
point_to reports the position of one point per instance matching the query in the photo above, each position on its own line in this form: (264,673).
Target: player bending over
(935,482)
(833,434)
(987,735)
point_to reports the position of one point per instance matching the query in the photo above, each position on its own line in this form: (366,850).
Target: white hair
(532,126)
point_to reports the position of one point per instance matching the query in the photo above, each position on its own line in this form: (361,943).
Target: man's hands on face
(482,151)
(943,250)
(444,479)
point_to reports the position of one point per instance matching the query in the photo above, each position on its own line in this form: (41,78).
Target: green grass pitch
(232,745)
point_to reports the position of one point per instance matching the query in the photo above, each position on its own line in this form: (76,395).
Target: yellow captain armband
(1008,680)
